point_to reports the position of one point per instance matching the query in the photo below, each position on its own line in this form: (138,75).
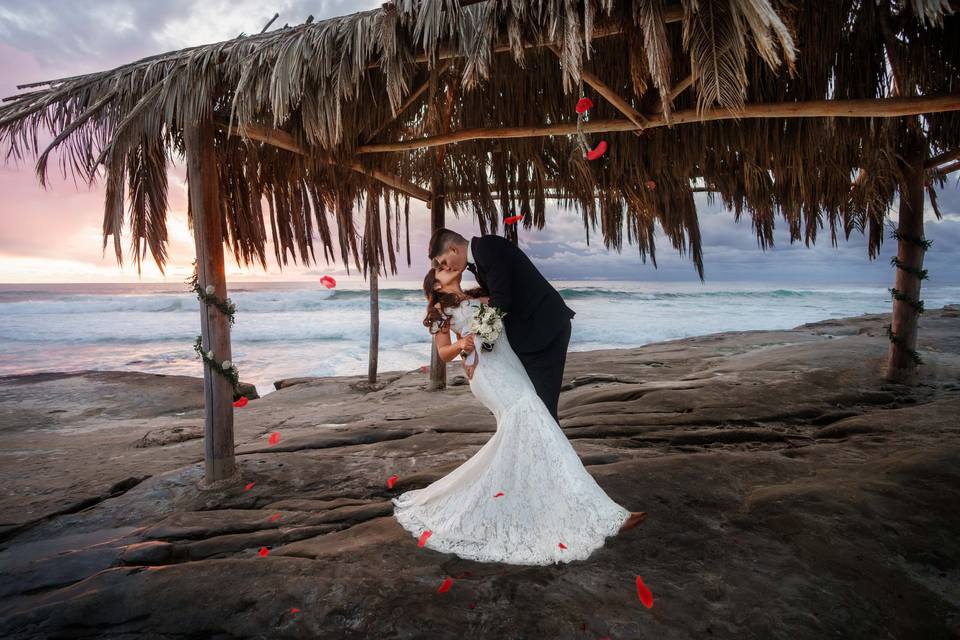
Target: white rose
(226,364)
(210,289)
(210,354)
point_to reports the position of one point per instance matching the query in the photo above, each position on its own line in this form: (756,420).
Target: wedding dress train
(548,497)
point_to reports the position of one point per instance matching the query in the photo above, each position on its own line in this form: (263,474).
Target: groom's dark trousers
(537,321)
(545,368)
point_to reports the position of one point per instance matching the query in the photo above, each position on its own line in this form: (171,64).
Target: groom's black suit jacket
(536,311)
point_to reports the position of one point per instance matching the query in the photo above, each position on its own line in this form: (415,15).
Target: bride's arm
(448,351)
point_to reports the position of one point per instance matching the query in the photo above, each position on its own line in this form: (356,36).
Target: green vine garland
(226,368)
(894,338)
(896,294)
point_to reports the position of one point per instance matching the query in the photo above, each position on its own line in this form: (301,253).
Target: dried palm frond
(333,85)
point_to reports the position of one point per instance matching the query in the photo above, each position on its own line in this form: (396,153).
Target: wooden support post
(215,327)
(374,325)
(901,366)
(438,368)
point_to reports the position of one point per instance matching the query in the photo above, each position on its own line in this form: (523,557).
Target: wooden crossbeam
(609,94)
(870,108)
(283,140)
(946,156)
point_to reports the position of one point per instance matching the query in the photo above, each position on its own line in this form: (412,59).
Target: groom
(537,323)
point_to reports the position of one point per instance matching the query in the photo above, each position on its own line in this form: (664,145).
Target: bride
(525,496)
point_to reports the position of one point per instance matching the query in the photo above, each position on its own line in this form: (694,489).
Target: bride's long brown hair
(445,299)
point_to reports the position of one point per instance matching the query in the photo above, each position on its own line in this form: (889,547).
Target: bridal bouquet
(486,326)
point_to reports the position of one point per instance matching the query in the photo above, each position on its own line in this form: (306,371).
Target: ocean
(291,329)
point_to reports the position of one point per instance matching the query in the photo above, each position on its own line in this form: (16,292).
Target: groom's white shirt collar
(470,251)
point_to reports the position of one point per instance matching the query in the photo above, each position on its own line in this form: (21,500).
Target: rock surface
(791,493)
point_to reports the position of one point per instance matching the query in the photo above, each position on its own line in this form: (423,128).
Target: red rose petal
(274,438)
(651,185)
(249,486)
(445,586)
(597,151)
(240,402)
(392,480)
(423,538)
(512,219)
(583,626)
(294,610)
(644,593)
(263,552)
(472,605)
(563,546)
(328,282)
(424,369)
(275,517)
(584,104)
(499,493)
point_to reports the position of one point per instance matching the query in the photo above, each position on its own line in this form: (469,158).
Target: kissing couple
(524,497)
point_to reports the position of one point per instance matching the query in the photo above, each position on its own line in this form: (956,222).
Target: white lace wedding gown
(548,497)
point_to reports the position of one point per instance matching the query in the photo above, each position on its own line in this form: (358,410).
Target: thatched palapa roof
(476,100)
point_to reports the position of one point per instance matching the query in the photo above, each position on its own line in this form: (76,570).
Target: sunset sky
(55,235)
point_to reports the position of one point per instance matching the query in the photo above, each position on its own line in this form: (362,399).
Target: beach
(791,493)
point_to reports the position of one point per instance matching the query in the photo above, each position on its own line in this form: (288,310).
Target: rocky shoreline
(791,494)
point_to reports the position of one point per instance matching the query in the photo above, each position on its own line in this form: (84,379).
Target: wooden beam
(218,441)
(950,168)
(946,156)
(878,108)
(609,94)
(374,349)
(283,140)
(680,87)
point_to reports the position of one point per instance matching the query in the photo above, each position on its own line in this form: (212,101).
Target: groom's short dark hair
(441,240)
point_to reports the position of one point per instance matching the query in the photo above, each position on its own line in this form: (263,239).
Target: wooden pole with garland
(902,357)
(214,344)
(226,368)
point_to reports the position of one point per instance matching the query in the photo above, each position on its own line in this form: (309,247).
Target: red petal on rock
(264,552)
(512,219)
(445,586)
(584,104)
(644,593)
(294,610)
(274,517)
(423,538)
(499,493)
(563,546)
(597,151)
(472,605)
(392,480)
(249,486)
(328,282)
(274,438)
(651,185)
(240,402)
(583,626)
